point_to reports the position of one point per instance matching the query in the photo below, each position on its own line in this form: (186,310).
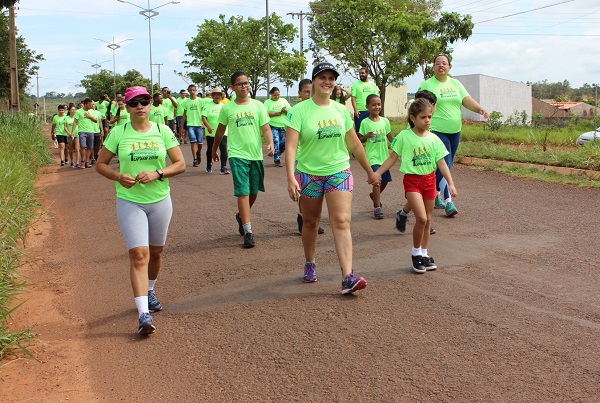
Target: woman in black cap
(319,135)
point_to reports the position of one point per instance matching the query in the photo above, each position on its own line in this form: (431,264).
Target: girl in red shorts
(420,153)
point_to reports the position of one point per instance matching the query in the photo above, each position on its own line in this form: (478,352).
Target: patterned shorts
(314,186)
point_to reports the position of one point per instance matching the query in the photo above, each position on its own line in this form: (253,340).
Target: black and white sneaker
(429,263)
(401,221)
(419,264)
(248,240)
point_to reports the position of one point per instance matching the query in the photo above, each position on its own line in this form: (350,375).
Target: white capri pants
(144,224)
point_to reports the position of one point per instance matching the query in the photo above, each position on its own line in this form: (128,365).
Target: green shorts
(248,176)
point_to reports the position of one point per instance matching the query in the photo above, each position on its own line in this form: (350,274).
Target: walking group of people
(318,136)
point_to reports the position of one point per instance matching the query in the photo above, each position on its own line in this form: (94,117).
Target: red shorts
(424,184)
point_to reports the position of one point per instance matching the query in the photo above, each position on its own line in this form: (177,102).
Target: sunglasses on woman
(134,104)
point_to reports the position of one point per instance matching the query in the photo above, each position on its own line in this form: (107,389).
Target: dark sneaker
(209,168)
(401,221)
(62,163)
(153,304)
(429,263)
(310,272)
(239,221)
(439,204)
(431,231)
(378,213)
(146,324)
(248,240)
(300,222)
(450,209)
(224,171)
(321,230)
(93,161)
(195,164)
(351,283)
(419,264)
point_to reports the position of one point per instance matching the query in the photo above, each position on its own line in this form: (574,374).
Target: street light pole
(114,46)
(95,65)
(158,65)
(149,13)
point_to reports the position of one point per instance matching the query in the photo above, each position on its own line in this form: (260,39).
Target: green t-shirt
(193,110)
(157,114)
(69,125)
(212,111)
(142,152)
(86,125)
(125,117)
(98,126)
(376,147)
(419,154)
(169,108)
(180,108)
(321,147)
(244,124)
(448,113)
(361,90)
(103,108)
(59,121)
(276,106)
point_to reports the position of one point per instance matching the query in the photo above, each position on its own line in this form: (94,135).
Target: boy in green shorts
(245,119)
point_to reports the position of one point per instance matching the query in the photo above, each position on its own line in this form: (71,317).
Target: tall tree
(392,38)
(222,47)
(102,82)
(27,59)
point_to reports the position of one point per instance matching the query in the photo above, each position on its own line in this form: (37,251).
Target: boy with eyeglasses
(245,118)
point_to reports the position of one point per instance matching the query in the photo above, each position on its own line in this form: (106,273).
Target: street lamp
(95,65)
(149,13)
(114,46)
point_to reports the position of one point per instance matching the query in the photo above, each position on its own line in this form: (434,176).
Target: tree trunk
(14,74)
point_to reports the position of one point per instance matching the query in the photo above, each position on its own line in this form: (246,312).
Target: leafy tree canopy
(102,83)
(223,47)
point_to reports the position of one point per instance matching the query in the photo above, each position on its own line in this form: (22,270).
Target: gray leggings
(144,224)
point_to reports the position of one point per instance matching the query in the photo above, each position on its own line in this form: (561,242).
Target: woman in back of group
(447,119)
(320,134)
(73,137)
(144,205)
(278,108)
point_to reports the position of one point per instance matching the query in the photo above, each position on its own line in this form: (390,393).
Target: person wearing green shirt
(278,108)
(181,129)
(103,106)
(375,132)
(144,206)
(73,137)
(320,135)
(210,119)
(421,153)
(245,118)
(358,94)
(158,114)
(192,118)
(58,133)
(121,115)
(170,105)
(447,119)
(86,122)
(98,134)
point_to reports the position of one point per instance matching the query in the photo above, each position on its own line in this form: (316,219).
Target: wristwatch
(160,174)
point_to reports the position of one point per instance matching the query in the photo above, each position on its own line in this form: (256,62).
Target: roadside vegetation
(23,152)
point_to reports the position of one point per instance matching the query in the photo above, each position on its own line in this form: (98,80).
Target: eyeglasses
(441,63)
(134,104)
(240,85)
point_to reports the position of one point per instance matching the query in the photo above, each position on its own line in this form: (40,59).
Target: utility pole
(301,16)
(37,99)
(268,52)
(14,73)
(158,64)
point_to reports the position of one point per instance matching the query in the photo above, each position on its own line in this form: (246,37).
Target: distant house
(496,94)
(576,108)
(552,111)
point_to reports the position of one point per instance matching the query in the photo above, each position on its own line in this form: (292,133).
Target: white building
(496,94)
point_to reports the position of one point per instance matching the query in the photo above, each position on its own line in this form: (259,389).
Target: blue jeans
(278,142)
(451,141)
(196,134)
(362,115)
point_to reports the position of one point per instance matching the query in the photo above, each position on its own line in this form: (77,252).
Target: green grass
(23,152)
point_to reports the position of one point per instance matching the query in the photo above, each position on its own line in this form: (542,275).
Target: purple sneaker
(310,272)
(351,283)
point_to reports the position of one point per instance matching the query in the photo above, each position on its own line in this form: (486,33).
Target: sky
(515,40)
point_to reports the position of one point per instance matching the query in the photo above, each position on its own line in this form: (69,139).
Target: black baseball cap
(321,67)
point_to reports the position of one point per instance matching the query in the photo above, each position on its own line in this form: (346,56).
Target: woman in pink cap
(144,206)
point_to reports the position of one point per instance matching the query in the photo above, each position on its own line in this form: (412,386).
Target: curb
(482,162)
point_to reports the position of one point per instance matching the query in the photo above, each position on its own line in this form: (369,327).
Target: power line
(526,11)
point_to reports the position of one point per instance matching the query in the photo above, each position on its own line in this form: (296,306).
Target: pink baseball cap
(136,91)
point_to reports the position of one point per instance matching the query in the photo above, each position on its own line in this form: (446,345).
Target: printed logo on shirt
(329,129)
(144,151)
(244,119)
(379,136)
(448,92)
(421,157)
